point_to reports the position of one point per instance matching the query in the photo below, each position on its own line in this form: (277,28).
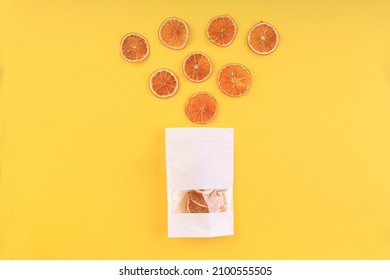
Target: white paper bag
(199,166)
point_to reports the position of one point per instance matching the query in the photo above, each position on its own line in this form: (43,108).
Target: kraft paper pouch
(199,166)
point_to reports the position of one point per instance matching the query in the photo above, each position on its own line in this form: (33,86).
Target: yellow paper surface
(82,156)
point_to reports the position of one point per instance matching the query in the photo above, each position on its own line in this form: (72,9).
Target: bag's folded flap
(199,157)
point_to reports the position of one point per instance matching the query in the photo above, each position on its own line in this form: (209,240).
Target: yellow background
(82,138)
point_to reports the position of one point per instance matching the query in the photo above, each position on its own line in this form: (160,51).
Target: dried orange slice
(210,201)
(204,199)
(134,47)
(173,33)
(263,38)
(192,207)
(234,80)
(163,83)
(221,30)
(197,67)
(201,108)
(197,198)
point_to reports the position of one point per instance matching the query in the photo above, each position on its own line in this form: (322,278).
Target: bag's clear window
(200,201)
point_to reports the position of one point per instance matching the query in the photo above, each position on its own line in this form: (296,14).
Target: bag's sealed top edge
(200,128)
(191,133)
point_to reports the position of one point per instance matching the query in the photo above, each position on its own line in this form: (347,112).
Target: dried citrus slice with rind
(173,33)
(191,207)
(221,30)
(212,201)
(234,79)
(263,38)
(197,67)
(201,108)
(163,83)
(197,198)
(134,47)
(204,199)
